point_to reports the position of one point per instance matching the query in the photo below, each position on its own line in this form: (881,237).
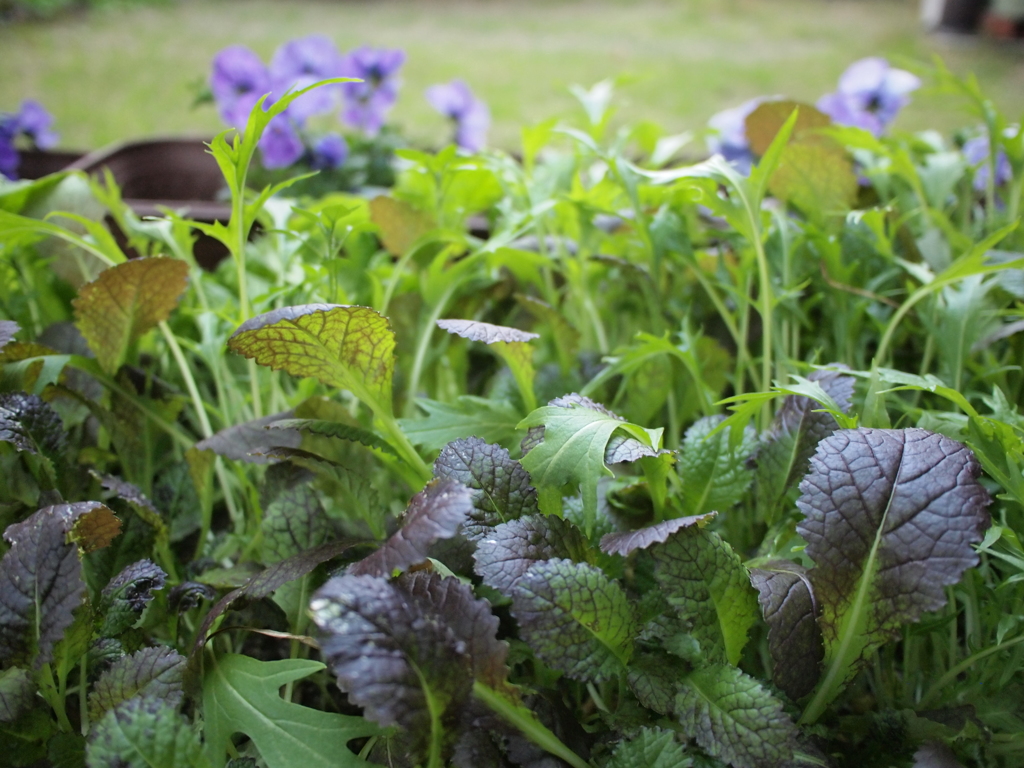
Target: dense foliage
(581,457)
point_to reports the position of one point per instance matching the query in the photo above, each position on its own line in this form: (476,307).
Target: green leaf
(467,416)
(574,618)
(1000,450)
(17,693)
(401,225)
(650,748)
(144,732)
(127,595)
(499,486)
(243,694)
(154,672)
(345,347)
(41,581)
(509,343)
(732,717)
(293,521)
(890,517)
(124,302)
(715,472)
(575,439)
(434,513)
(705,581)
(816,178)
(794,639)
(336,429)
(512,548)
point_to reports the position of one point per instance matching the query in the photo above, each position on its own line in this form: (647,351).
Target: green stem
(427,330)
(48,690)
(528,725)
(83,698)
(953,673)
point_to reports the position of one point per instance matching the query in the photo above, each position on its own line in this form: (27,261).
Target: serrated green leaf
(1000,450)
(154,672)
(574,618)
(17,693)
(732,717)
(124,302)
(704,580)
(500,487)
(336,429)
(467,416)
(242,694)
(293,521)
(346,347)
(144,732)
(714,470)
(650,748)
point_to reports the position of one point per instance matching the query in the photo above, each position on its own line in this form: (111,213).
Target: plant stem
(955,672)
(426,331)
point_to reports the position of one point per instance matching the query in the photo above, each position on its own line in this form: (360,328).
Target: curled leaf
(126,596)
(124,302)
(630,541)
(252,440)
(434,513)
(346,347)
(475,330)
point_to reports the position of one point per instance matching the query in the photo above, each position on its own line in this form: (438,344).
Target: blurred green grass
(127,71)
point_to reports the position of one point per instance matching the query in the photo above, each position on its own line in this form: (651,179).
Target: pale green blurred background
(126,71)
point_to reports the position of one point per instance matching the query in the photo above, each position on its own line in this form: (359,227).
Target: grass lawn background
(132,71)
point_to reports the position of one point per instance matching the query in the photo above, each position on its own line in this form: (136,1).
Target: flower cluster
(31,121)
(240,79)
(870,95)
(469,114)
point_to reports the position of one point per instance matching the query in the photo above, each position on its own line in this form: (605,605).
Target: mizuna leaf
(346,347)
(434,513)
(127,595)
(41,582)
(468,416)
(499,485)
(630,541)
(650,748)
(890,517)
(124,302)
(148,672)
(7,330)
(573,444)
(17,693)
(508,551)
(404,651)
(574,618)
(794,639)
(715,472)
(704,580)
(252,440)
(144,732)
(793,437)
(242,694)
(30,424)
(733,718)
(487,333)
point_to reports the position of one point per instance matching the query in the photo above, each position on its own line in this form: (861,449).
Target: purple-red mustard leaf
(499,485)
(397,657)
(124,302)
(575,618)
(252,440)
(794,435)
(485,332)
(30,424)
(734,719)
(707,584)
(144,731)
(126,596)
(508,551)
(469,619)
(714,471)
(434,513)
(153,671)
(185,596)
(890,519)
(629,541)
(342,346)
(794,638)
(17,693)
(139,502)
(7,330)
(41,582)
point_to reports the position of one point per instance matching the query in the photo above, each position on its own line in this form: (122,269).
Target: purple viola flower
(34,121)
(471,116)
(8,152)
(728,136)
(367,103)
(239,79)
(976,153)
(300,63)
(329,152)
(280,145)
(870,95)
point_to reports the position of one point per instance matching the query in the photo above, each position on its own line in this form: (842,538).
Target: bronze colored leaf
(400,224)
